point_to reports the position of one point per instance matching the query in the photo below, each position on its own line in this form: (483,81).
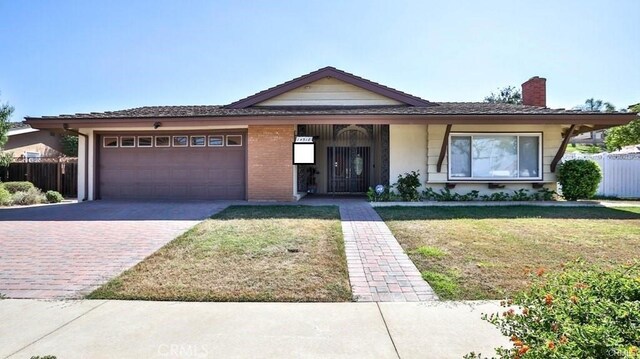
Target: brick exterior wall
(534,92)
(270,163)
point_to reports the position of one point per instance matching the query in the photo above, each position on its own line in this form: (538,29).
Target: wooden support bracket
(563,147)
(443,148)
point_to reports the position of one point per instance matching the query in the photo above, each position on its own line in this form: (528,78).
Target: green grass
(486,252)
(428,251)
(579,148)
(245,253)
(446,285)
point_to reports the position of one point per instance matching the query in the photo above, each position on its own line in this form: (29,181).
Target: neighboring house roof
(337,74)
(18,125)
(628,149)
(19,128)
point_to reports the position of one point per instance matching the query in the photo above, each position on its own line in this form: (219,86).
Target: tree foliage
(70,145)
(593,105)
(507,94)
(5,113)
(626,135)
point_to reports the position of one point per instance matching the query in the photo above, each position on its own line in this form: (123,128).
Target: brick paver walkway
(67,250)
(379,269)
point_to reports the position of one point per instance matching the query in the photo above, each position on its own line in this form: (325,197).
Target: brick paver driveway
(67,250)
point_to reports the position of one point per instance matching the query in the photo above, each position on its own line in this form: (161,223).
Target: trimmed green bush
(54,197)
(14,187)
(5,196)
(581,312)
(31,196)
(407,186)
(579,179)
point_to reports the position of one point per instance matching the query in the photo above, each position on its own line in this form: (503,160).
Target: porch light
(156,125)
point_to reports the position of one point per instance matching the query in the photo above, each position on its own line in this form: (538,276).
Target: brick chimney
(534,92)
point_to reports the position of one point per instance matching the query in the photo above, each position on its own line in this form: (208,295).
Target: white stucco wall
(407,151)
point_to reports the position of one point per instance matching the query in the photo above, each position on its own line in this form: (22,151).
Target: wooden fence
(57,174)
(620,173)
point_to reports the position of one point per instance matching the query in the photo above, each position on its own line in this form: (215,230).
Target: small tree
(5,114)
(5,158)
(507,94)
(579,179)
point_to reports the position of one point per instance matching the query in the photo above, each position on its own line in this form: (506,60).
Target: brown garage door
(172,166)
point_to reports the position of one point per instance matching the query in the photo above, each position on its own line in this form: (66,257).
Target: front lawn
(245,253)
(485,252)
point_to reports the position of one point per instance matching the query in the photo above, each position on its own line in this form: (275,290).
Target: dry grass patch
(245,253)
(485,252)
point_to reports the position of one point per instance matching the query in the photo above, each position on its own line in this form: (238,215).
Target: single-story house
(29,143)
(364,133)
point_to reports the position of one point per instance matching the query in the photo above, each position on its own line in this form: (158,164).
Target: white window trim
(219,136)
(227,141)
(104,142)
(155,141)
(138,141)
(173,143)
(123,146)
(204,142)
(497,179)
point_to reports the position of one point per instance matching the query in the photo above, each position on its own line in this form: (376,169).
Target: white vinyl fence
(620,173)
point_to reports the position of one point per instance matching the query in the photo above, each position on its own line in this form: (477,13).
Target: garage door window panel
(180,141)
(198,141)
(110,142)
(234,140)
(127,141)
(216,141)
(163,141)
(145,141)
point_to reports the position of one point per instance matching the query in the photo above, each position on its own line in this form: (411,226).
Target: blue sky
(80,56)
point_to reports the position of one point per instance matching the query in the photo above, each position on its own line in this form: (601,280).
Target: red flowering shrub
(582,312)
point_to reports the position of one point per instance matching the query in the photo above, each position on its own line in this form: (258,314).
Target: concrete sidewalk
(136,329)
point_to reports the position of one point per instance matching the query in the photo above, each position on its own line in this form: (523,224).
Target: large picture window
(491,156)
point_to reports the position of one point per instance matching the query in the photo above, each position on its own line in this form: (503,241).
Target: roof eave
(609,120)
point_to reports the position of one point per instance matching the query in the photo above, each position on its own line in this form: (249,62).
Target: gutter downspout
(86,159)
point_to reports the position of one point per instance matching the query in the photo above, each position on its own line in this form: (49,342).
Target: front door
(348,169)
(349,160)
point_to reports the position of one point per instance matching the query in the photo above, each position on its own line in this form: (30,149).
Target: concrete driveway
(67,250)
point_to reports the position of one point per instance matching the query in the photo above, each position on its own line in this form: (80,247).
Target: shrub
(579,179)
(545,194)
(407,186)
(31,196)
(14,187)
(54,197)
(5,196)
(521,195)
(581,312)
(496,196)
(386,195)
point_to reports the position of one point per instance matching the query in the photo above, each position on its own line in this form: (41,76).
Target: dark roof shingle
(442,108)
